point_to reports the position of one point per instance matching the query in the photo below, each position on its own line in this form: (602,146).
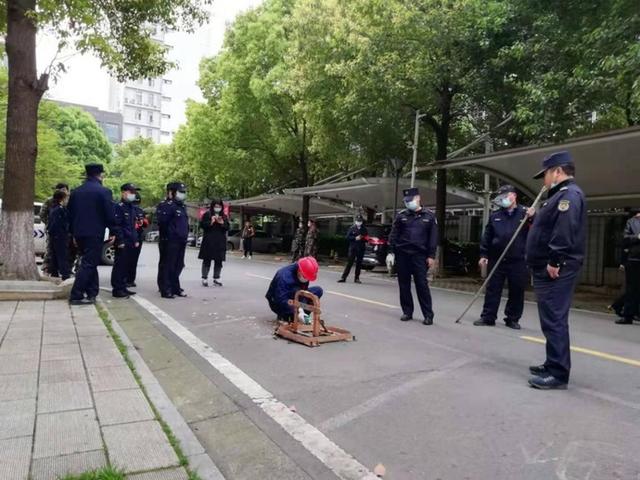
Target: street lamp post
(397,164)
(416,135)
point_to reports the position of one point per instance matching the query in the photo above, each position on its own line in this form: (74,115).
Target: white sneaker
(205,283)
(250,257)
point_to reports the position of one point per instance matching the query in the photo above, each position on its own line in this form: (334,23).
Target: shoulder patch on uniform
(563,189)
(563,205)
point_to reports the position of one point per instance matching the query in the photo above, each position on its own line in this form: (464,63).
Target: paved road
(441,402)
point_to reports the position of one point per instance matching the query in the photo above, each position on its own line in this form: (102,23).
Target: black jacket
(214,239)
(91,209)
(356,247)
(498,232)
(415,233)
(631,239)
(58,219)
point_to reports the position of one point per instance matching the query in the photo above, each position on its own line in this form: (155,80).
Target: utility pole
(416,135)
(488,148)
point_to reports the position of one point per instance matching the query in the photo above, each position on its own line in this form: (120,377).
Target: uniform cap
(308,267)
(129,187)
(409,193)
(557,159)
(60,186)
(94,169)
(506,189)
(359,218)
(181,187)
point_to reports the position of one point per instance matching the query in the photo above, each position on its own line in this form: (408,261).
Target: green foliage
(106,473)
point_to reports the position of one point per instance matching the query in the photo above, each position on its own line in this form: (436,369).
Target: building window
(149,132)
(139,98)
(151,118)
(138,131)
(151,98)
(150,81)
(138,114)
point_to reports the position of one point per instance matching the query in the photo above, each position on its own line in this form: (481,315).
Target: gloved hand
(391,259)
(303,317)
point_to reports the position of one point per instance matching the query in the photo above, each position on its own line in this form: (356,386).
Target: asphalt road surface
(440,402)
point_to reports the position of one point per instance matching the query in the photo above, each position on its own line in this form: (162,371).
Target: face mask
(302,279)
(505,202)
(180,196)
(217,209)
(412,205)
(131,197)
(358,224)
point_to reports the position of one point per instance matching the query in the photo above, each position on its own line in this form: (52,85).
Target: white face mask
(411,205)
(131,197)
(181,196)
(217,209)
(302,279)
(358,224)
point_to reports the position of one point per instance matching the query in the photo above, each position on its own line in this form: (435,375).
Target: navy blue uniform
(90,214)
(58,232)
(356,249)
(126,239)
(557,238)
(414,239)
(141,223)
(497,234)
(283,288)
(173,225)
(631,242)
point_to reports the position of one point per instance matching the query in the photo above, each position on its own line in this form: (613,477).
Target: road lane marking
(350,297)
(335,458)
(594,353)
(357,411)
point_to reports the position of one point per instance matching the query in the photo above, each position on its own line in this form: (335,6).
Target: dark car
(377,248)
(262,242)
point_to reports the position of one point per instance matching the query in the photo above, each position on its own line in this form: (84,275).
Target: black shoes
(129,292)
(512,324)
(81,301)
(122,294)
(216,283)
(539,370)
(406,318)
(131,285)
(624,321)
(428,321)
(484,323)
(547,382)
(357,280)
(180,294)
(167,295)
(342,280)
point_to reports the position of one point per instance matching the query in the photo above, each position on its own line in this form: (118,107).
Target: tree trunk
(17,255)
(304,174)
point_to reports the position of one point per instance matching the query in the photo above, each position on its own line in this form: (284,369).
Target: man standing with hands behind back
(413,243)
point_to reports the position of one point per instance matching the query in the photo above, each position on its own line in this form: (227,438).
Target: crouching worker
(289,280)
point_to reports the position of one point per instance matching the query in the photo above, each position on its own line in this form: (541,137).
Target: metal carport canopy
(377,193)
(607,166)
(290,204)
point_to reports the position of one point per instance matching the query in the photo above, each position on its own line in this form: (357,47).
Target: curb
(199,460)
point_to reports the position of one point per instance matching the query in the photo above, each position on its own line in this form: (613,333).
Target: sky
(86,83)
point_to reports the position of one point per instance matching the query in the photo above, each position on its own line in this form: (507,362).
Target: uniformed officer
(141,224)
(58,234)
(91,212)
(413,242)
(173,225)
(46,207)
(357,238)
(631,242)
(497,234)
(126,241)
(555,253)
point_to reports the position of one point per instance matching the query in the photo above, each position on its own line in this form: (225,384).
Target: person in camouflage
(297,246)
(311,243)
(45,209)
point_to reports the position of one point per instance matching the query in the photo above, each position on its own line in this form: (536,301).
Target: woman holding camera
(214,224)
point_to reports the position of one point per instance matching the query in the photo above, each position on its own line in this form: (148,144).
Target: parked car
(192,240)
(108,256)
(262,242)
(377,248)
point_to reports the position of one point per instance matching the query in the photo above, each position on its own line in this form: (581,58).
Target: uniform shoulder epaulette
(562,189)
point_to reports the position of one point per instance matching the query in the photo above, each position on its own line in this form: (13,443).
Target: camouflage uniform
(311,244)
(297,246)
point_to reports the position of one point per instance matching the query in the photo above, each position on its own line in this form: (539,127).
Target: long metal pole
(416,135)
(493,270)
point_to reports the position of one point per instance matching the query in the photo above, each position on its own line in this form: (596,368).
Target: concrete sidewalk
(68,401)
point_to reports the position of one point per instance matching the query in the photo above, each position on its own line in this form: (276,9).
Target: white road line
(353,413)
(337,460)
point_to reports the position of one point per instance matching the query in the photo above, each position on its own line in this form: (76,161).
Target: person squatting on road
(46,207)
(90,213)
(631,242)
(127,241)
(248,232)
(215,225)
(173,227)
(141,224)
(357,238)
(413,242)
(58,236)
(555,252)
(289,280)
(498,232)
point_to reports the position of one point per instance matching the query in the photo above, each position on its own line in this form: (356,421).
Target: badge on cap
(563,205)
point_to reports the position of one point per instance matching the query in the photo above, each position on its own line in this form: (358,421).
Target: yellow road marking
(359,299)
(595,353)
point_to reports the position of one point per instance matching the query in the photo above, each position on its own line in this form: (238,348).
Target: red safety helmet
(308,267)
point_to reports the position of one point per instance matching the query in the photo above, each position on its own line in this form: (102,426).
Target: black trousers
(413,265)
(632,289)
(516,275)
(206,268)
(121,267)
(354,257)
(170,266)
(87,281)
(133,264)
(554,301)
(247,246)
(59,256)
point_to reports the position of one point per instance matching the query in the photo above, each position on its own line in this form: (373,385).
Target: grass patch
(106,473)
(175,443)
